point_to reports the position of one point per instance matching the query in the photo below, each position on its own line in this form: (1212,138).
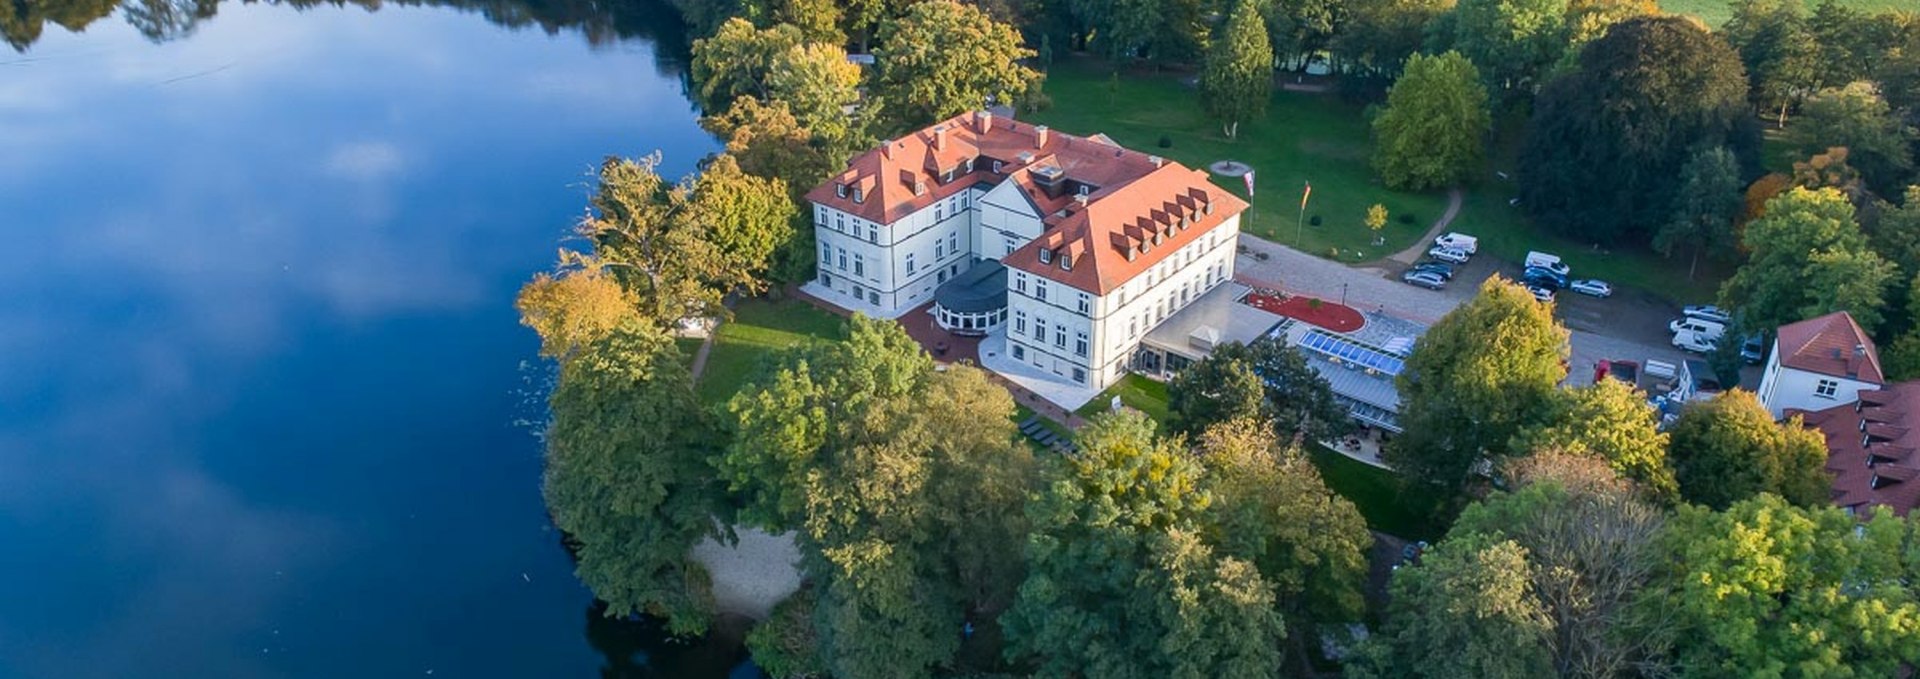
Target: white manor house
(1062,252)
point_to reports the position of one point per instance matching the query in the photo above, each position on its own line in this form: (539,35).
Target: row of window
(1083,303)
(1020,354)
(1059,334)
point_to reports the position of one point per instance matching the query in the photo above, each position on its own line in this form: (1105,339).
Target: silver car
(1425,279)
(1592,286)
(1449,255)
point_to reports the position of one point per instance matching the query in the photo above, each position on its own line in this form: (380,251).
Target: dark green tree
(1268,379)
(1878,144)
(1512,42)
(1781,58)
(1482,374)
(1379,35)
(1468,611)
(627,479)
(1237,82)
(1607,139)
(1709,199)
(1216,389)
(1729,449)
(1432,133)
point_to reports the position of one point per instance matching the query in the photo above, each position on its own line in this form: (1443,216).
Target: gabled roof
(1123,231)
(1831,345)
(1873,464)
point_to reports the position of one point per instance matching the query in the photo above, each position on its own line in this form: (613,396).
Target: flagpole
(1299,228)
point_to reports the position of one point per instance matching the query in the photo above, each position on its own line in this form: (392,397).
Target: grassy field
(758,329)
(1136,392)
(1715,12)
(1390,506)
(1305,137)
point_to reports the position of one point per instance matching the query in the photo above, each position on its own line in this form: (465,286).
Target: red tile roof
(1133,198)
(1872,453)
(1831,345)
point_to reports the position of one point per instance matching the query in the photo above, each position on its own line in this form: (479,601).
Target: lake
(264,399)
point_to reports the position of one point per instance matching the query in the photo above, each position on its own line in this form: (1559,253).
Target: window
(968,165)
(1019,352)
(826,255)
(1046,256)
(1085,304)
(953,242)
(1039,330)
(1019,322)
(1020,283)
(840,190)
(1084,189)
(826,281)
(1080,375)
(1826,388)
(998,167)
(843,259)
(1133,327)
(859,292)
(859,265)
(840,222)
(910,266)
(819,214)
(1011,245)
(946,177)
(939,249)
(940,277)
(1040,289)
(859,196)
(1080,344)
(873,297)
(1060,338)
(939,211)
(873,234)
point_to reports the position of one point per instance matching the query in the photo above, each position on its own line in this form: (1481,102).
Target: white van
(1549,262)
(1694,342)
(1458,241)
(1707,330)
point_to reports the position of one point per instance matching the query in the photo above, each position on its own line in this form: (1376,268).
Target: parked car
(1548,261)
(1754,349)
(1710,330)
(1433,267)
(1693,342)
(1707,312)
(1425,279)
(1592,286)
(1449,255)
(1541,292)
(1458,241)
(1543,278)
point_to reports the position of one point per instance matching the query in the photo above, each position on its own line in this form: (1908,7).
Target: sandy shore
(749,578)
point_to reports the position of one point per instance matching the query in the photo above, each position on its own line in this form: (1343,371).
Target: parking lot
(1630,325)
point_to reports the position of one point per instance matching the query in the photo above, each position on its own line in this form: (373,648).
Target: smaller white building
(1819,363)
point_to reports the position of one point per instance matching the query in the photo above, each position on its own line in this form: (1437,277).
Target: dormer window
(1066,262)
(947,176)
(1046,256)
(859,196)
(1157,238)
(999,167)
(968,166)
(840,190)
(1084,189)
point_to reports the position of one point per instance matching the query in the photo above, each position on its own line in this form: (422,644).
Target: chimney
(886,149)
(983,120)
(1080,198)
(1039,136)
(1156,160)
(940,138)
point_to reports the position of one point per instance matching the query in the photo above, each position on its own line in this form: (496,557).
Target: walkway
(1419,247)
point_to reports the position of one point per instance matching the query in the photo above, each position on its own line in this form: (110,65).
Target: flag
(1249,177)
(1304,194)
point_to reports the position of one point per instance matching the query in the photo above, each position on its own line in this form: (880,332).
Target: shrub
(1314,220)
(1166,142)
(784,645)
(1405,218)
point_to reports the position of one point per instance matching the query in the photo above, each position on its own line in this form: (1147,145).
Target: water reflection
(639,648)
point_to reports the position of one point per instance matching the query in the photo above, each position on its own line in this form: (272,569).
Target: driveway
(1630,325)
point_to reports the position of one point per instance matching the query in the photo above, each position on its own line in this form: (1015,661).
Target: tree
(573,308)
(1469,610)
(1432,131)
(1780,55)
(1481,374)
(1768,589)
(1237,81)
(1704,208)
(819,86)
(1607,139)
(738,60)
(1857,118)
(679,250)
(944,58)
(1121,584)
(1376,220)
(627,480)
(868,452)
(1895,234)
(1379,35)
(1215,389)
(1587,20)
(1611,421)
(1273,509)
(1807,236)
(1513,42)
(1728,449)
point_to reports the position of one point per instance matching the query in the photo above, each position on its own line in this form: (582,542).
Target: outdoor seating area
(1034,429)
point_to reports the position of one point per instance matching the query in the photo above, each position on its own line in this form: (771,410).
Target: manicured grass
(1390,505)
(1716,12)
(1135,392)
(759,329)
(688,347)
(1021,413)
(1305,137)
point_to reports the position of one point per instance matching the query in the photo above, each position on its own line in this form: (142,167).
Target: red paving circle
(1335,317)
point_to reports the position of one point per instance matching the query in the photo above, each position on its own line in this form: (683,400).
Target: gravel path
(751,577)
(1419,247)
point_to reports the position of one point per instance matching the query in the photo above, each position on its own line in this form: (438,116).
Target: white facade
(1078,337)
(1783,387)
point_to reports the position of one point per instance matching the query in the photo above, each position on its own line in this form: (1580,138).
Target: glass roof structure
(1347,350)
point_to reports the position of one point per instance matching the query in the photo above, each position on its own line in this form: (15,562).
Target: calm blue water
(259,367)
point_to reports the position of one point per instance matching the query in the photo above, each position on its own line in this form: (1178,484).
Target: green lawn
(1716,12)
(1135,392)
(1305,137)
(758,329)
(1391,506)
(1021,413)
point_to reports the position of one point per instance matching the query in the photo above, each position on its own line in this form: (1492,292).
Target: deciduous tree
(1486,371)
(1237,82)
(574,307)
(1729,449)
(1611,421)
(627,479)
(738,59)
(1432,133)
(1780,55)
(1469,610)
(1607,139)
(1512,42)
(944,58)
(1701,221)
(1807,236)
(1857,118)
(1213,390)
(1268,379)
(1379,35)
